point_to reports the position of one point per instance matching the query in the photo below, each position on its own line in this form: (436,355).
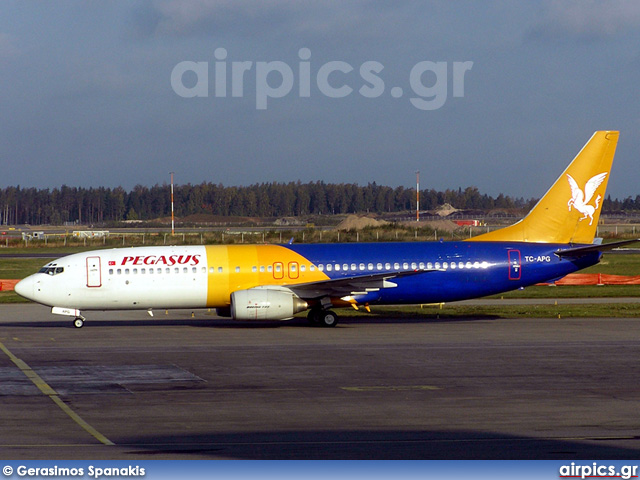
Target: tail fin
(569,211)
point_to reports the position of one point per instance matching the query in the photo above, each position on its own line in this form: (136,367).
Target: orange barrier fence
(7,285)
(596,279)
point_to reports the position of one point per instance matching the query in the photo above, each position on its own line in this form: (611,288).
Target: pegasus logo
(580,200)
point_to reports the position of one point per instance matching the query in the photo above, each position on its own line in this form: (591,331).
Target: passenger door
(94,273)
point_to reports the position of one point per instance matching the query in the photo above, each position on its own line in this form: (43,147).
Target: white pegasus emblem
(581,200)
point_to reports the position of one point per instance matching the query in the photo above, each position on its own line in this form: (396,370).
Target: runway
(133,387)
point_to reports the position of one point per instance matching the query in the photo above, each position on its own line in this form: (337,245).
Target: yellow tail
(569,211)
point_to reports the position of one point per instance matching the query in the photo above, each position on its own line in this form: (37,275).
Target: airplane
(275,282)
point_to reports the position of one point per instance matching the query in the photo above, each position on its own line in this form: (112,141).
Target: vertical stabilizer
(569,211)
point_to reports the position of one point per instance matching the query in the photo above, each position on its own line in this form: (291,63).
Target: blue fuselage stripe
(465,269)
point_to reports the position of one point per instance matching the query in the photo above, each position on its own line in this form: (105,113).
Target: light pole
(173,229)
(417,195)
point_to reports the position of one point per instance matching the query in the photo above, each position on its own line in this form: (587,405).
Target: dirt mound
(355,222)
(444,210)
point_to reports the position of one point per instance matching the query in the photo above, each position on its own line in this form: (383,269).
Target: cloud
(107,77)
(195,17)
(586,19)
(248,17)
(8,46)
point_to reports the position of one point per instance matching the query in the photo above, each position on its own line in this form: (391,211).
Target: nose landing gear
(78,322)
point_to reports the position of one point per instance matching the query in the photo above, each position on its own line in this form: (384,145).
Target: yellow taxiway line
(53,395)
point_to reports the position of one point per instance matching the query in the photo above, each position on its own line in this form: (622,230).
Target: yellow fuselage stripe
(238,267)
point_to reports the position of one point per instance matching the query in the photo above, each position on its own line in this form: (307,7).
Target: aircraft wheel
(313,317)
(78,323)
(328,319)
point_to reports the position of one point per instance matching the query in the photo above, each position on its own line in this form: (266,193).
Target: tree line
(103,205)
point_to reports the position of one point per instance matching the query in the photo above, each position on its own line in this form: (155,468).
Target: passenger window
(312,268)
(361,266)
(387,266)
(185,270)
(151,271)
(220,270)
(143,271)
(345,267)
(261,268)
(176,270)
(460,265)
(111,271)
(269,268)
(429,266)
(135,271)
(379,266)
(329,267)
(303,268)
(437,265)
(212,270)
(370,266)
(453,265)
(445,265)
(237,269)
(396,266)
(119,271)
(414,266)
(254,269)
(126,271)
(354,267)
(421,266)
(405,266)
(321,267)
(167,270)
(337,267)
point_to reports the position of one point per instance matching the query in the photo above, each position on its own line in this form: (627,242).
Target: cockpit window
(51,269)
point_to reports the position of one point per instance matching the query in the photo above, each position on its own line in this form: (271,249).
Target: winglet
(569,211)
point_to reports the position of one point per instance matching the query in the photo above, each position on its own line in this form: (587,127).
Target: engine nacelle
(265,303)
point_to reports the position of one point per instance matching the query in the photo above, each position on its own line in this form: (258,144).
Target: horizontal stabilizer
(580,251)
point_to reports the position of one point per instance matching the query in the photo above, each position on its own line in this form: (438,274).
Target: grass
(13,268)
(573,291)
(616,264)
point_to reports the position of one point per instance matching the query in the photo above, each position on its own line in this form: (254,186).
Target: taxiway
(127,386)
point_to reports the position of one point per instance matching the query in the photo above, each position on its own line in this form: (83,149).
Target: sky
(499,95)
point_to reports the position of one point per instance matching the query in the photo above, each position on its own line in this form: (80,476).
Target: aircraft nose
(24,287)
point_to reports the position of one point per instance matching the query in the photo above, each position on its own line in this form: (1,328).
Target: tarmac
(127,386)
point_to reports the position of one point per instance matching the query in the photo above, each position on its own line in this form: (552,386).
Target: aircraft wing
(358,285)
(585,250)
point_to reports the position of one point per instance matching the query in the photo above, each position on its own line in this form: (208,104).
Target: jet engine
(265,303)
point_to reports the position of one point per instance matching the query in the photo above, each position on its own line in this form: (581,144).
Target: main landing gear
(322,318)
(78,322)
